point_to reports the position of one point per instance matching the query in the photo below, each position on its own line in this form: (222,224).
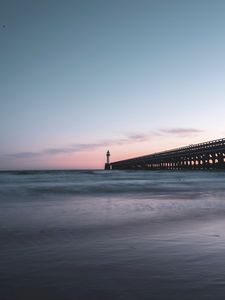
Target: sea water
(112,235)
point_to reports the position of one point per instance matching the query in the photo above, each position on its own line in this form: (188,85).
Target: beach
(112,235)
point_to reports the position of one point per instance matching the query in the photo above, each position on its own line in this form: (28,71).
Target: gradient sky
(133,76)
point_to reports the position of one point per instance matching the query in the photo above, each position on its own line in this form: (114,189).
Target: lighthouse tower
(107,164)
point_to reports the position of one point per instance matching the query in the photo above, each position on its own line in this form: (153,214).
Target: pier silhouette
(203,156)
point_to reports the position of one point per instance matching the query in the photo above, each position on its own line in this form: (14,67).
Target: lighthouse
(107,164)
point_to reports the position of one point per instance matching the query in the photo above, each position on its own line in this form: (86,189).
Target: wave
(99,183)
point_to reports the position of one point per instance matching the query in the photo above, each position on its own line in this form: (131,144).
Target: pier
(203,156)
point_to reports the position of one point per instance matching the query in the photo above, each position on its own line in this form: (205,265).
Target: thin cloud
(181,131)
(25,154)
(129,139)
(132,138)
(139,137)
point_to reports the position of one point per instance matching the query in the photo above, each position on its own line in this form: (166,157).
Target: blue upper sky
(135,76)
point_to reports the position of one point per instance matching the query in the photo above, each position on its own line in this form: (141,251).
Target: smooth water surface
(112,235)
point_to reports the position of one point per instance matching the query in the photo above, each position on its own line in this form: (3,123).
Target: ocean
(112,235)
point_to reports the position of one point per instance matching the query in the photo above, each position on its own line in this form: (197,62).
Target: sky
(133,76)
